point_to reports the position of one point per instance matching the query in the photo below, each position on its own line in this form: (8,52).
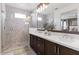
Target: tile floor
(19,51)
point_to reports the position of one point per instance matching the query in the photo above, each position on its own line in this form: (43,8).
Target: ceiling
(24,6)
(32,6)
(54,6)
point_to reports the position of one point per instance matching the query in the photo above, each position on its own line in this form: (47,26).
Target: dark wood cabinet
(67,51)
(33,42)
(44,47)
(37,44)
(50,48)
(40,46)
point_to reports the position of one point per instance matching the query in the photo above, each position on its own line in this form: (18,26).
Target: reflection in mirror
(69,21)
(73,25)
(64,25)
(41,20)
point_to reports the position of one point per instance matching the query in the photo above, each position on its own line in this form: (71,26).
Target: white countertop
(64,39)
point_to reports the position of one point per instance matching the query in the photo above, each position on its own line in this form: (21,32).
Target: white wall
(57,14)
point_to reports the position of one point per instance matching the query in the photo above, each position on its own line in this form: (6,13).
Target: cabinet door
(67,51)
(40,46)
(50,48)
(33,42)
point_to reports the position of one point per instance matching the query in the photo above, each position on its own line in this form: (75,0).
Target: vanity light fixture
(41,7)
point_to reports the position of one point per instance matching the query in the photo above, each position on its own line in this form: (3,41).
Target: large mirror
(69,21)
(65,19)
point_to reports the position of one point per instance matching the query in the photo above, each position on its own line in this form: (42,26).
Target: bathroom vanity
(54,44)
(64,36)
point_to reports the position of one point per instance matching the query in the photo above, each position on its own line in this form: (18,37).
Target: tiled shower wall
(16,31)
(0,28)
